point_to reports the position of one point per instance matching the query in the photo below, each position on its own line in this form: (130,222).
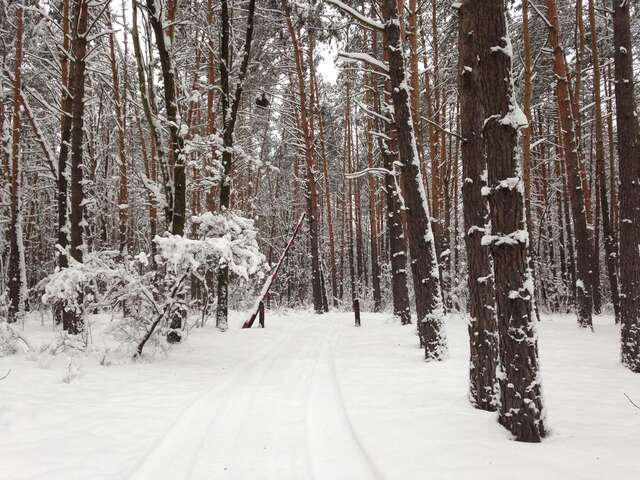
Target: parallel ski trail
(278,416)
(336,449)
(173,454)
(265,420)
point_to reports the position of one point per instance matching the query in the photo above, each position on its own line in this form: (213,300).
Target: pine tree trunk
(16,271)
(397,241)
(426,280)
(74,323)
(521,410)
(483,329)
(230,115)
(373,230)
(583,240)
(147,98)
(63,154)
(311,184)
(327,200)
(123,191)
(178,214)
(609,239)
(526,136)
(629,158)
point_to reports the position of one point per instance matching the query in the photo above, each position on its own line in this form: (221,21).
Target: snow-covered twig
(5,375)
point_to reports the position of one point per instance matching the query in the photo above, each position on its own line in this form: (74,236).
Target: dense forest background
(158,155)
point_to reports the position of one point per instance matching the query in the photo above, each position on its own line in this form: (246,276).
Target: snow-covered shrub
(11,341)
(8,340)
(151,297)
(72,371)
(84,282)
(227,238)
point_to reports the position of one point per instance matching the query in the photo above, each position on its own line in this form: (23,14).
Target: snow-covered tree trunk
(149,107)
(397,241)
(16,272)
(73,322)
(521,407)
(527,133)
(424,264)
(176,128)
(230,106)
(629,155)
(483,330)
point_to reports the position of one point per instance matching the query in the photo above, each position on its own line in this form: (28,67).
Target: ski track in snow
(294,381)
(174,452)
(331,433)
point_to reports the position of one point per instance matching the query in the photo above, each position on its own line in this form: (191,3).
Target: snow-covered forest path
(280,414)
(309,398)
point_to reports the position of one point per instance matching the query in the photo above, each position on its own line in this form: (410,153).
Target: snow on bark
(521,403)
(424,263)
(482,321)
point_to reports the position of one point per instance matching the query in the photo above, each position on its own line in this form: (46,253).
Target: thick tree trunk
(426,278)
(629,157)
(397,241)
(521,409)
(483,329)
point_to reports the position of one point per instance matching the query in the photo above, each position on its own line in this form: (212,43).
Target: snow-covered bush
(227,238)
(10,341)
(150,297)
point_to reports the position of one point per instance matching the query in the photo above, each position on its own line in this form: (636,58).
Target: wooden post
(261,314)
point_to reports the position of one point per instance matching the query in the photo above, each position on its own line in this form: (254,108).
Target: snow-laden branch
(372,113)
(540,14)
(375,171)
(366,21)
(366,58)
(441,128)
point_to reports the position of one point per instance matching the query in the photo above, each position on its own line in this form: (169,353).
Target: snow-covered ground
(310,397)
